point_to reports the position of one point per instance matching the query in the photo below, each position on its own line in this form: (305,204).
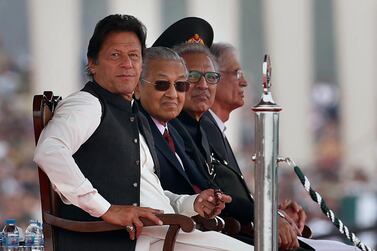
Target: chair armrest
(232,226)
(185,223)
(175,222)
(205,224)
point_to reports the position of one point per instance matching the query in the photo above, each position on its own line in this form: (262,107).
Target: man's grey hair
(192,48)
(160,53)
(219,49)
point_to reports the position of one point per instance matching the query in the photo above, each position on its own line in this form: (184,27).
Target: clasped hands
(211,202)
(208,203)
(291,225)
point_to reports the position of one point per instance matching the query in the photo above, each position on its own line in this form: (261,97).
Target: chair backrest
(43,110)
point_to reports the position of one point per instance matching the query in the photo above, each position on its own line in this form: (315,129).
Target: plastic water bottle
(10,235)
(21,239)
(34,236)
(1,240)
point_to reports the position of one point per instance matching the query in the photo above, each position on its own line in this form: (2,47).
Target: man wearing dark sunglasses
(161,93)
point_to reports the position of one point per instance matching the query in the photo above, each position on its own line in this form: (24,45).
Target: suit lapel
(219,144)
(191,149)
(163,148)
(161,145)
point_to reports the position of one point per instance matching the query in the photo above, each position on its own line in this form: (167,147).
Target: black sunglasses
(210,76)
(164,85)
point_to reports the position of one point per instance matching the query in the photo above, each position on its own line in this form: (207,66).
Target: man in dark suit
(199,98)
(179,173)
(230,96)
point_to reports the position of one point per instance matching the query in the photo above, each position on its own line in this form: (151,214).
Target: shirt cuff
(188,205)
(94,204)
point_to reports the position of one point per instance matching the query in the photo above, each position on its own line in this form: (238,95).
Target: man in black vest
(99,154)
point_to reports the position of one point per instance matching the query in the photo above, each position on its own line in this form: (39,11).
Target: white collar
(219,122)
(160,126)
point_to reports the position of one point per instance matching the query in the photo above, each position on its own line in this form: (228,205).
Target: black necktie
(169,139)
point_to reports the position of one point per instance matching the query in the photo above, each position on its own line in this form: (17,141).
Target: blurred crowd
(19,191)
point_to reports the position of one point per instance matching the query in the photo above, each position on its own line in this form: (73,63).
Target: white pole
(147,11)
(55,46)
(289,43)
(357,60)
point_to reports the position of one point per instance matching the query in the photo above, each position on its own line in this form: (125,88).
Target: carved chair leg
(48,243)
(170,238)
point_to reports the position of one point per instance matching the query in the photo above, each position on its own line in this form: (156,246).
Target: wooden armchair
(43,109)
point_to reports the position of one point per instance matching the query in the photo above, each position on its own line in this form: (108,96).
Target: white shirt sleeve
(74,121)
(182,204)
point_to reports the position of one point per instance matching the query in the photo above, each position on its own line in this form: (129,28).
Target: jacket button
(241,176)
(135,140)
(132,119)
(137,162)
(135,184)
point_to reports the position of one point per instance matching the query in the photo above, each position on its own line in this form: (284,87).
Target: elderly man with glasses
(203,78)
(230,96)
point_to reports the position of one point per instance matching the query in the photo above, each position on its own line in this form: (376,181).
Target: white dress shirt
(219,122)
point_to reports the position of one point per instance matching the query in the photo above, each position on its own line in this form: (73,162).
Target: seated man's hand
(287,233)
(210,202)
(295,212)
(128,216)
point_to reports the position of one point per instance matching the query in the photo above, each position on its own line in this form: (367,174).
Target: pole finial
(266,74)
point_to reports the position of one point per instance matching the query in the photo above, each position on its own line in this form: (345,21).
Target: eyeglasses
(237,73)
(164,85)
(210,76)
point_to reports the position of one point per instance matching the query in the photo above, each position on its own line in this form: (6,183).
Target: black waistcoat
(109,159)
